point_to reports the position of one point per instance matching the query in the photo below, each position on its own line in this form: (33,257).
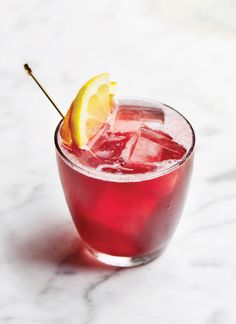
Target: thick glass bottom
(123,261)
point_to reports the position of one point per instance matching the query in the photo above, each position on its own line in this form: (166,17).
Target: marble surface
(180,52)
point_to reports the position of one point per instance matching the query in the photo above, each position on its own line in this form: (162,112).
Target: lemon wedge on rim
(89,110)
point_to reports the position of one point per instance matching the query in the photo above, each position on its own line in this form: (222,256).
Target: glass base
(122,261)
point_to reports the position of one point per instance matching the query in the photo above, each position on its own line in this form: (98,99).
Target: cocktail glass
(128,220)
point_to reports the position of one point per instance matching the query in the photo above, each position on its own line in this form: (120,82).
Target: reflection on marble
(182,53)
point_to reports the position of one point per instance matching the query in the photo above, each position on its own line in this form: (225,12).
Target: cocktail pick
(29,71)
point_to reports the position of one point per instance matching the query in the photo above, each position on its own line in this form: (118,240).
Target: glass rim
(122,178)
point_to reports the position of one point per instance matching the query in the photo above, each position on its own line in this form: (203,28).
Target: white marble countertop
(180,52)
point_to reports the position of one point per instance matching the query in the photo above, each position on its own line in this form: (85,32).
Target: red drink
(126,193)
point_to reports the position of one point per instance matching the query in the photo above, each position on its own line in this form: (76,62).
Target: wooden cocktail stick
(29,71)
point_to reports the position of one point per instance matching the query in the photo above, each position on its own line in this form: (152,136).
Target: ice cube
(98,135)
(130,118)
(149,146)
(141,149)
(171,150)
(107,146)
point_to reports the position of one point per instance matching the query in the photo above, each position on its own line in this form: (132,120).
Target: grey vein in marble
(88,295)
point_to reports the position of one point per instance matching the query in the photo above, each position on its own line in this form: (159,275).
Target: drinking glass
(127,220)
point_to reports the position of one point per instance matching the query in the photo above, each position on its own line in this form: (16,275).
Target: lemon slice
(91,108)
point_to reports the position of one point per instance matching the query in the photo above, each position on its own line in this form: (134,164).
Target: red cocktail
(127,190)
